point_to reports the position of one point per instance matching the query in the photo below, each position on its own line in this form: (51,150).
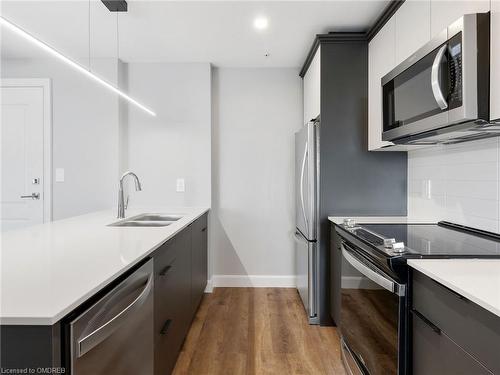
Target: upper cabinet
(412,27)
(381,59)
(312,88)
(495,61)
(444,12)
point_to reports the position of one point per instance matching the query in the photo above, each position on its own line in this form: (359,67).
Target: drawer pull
(165,327)
(167,269)
(434,327)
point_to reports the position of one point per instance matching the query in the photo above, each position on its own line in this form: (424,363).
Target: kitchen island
(50,270)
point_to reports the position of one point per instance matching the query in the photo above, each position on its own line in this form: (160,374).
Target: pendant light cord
(89,41)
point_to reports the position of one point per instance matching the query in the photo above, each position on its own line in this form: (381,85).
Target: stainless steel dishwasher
(115,335)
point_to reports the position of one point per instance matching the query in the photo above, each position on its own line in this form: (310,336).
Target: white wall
(256,112)
(85,131)
(464,180)
(175,143)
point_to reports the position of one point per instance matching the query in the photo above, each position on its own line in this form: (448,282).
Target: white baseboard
(254,281)
(210,286)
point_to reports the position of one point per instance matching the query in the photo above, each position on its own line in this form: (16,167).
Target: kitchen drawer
(473,328)
(164,256)
(168,342)
(434,353)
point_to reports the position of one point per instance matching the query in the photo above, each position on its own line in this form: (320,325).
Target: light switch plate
(59,174)
(180,185)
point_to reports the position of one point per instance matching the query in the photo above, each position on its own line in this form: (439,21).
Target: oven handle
(377,277)
(436,88)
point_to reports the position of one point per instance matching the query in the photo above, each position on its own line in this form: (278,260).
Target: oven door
(372,317)
(420,94)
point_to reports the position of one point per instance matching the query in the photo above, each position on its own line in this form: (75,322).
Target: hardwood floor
(257,331)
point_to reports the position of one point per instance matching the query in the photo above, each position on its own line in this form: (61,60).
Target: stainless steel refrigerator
(307,217)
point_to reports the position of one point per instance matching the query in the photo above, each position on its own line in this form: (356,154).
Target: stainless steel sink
(148,220)
(157,217)
(130,223)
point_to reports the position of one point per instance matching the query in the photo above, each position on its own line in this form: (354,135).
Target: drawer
(434,353)
(471,327)
(168,343)
(164,256)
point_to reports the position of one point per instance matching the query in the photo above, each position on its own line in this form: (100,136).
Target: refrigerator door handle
(302,173)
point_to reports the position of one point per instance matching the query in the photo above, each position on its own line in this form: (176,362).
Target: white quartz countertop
(476,279)
(48,270)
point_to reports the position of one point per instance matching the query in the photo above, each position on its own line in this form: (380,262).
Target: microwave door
(416,100)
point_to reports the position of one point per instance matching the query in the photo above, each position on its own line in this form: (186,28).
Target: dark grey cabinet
(335,275)
(199,261)
(450,334)
(180,267)
(172,264)
(434,353)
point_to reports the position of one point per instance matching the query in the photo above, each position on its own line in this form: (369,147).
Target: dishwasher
(115,335)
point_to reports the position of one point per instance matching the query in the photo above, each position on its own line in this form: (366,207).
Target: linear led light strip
(7,24)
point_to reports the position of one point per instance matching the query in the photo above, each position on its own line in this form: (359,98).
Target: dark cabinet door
(434,353)
(172,300)
(335,275)
(199,261)
(180,280)
(471,327)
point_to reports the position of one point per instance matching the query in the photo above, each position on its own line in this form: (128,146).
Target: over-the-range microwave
(441,93)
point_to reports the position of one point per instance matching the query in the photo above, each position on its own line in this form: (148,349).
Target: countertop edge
(418,264)
(49,321)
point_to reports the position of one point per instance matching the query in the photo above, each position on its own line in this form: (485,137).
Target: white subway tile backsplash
(465,206)
(464,182)
(473,189)
(487,171)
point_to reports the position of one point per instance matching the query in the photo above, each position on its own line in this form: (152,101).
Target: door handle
(87,343)
(165,327)
(302,188)
(436,89)
(167,269)
(370,273)
(32,196)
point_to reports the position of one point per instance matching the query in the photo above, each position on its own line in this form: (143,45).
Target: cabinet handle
(434,327)
(167,269)
(204,229)
(165,327)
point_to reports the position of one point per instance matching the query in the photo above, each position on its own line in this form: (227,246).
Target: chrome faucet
(121,201)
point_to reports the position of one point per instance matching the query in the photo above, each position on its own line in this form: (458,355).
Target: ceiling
(219,32)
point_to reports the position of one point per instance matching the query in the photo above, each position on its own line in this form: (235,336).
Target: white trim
(45,84)
(254,281)
(210,286)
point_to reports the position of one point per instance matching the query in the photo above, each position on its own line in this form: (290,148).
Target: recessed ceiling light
(260,23)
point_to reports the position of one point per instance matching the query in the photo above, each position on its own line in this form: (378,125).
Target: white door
(22,156)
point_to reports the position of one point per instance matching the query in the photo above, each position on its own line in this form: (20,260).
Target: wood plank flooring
(257,331)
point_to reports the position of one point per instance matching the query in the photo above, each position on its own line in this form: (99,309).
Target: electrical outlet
(180,185)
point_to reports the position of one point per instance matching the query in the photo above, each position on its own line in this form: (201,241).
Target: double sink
(148,220)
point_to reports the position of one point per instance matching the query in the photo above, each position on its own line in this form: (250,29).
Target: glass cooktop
(431,240)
